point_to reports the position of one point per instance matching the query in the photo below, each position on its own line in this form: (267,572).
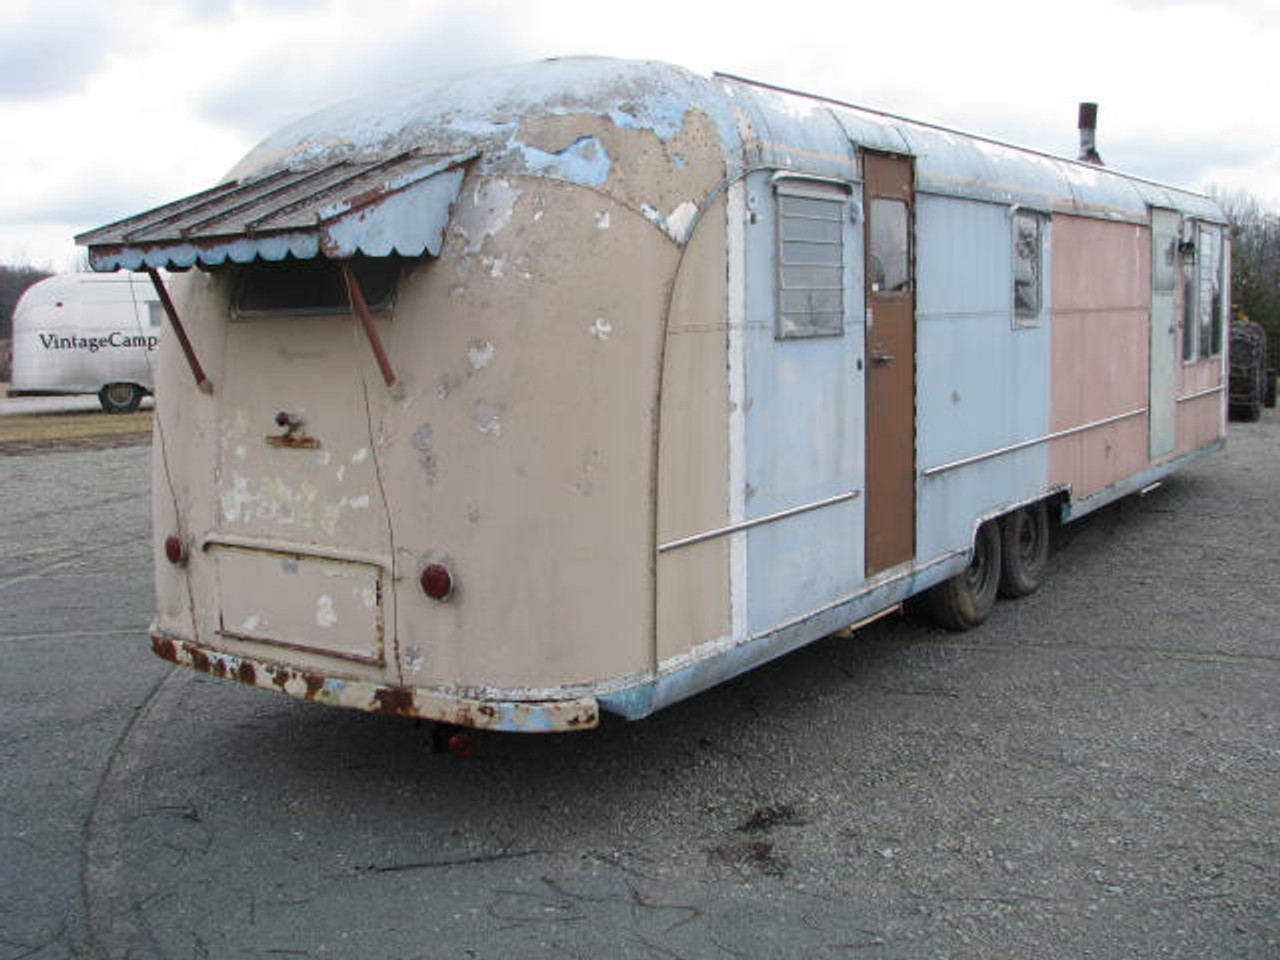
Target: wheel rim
(119,394)
(1028,540)
(978,575)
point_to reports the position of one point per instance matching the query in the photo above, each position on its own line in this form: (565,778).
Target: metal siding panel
(982,385)
(395,204)
(1101,281)
(803,438)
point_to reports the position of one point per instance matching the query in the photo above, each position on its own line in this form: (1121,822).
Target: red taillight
(437,583)
(175,550)
(462,746)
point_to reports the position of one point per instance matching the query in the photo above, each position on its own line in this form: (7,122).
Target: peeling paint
(487,417)
(661,112)
(492,205)
(601,329)
(678,223)
(602,220)
(528,716)
(360,456)
(421,441)
(480,354)
(325,615)
(585,161)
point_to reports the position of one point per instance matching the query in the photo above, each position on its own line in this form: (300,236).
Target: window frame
(907,259)
(242,273)
(1203,334)
(823,190)
(1019,319)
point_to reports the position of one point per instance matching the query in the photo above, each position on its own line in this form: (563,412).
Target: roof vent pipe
(1088,128)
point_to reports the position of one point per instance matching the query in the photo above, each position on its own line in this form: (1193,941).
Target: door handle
(881,357)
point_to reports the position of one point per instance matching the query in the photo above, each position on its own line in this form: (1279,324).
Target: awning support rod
(361,309)
(202,382)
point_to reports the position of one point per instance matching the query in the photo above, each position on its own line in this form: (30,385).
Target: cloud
(53,50)
(286,82)
(97,201)
(1179,163)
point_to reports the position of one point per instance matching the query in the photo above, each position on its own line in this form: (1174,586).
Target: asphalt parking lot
(1093,773)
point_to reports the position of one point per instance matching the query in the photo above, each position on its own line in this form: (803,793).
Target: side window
(890,238)
(811,254)
(1028,267)
(312,286)
(1209,255)
(1203,285)
(1190,304)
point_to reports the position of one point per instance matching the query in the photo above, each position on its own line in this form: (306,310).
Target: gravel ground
(1093,773)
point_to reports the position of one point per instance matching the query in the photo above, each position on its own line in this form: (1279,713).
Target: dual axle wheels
(1009,559)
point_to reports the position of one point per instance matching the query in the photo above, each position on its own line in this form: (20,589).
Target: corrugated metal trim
(397,204)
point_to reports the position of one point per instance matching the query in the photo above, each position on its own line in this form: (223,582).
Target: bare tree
(14,280)
(1255,262)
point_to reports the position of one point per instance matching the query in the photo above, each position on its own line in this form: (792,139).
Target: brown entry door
(891,359)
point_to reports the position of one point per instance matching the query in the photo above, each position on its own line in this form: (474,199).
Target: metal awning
(397,204)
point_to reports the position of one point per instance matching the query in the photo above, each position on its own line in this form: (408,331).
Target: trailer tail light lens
(437,582)
(175,550)
(462,746)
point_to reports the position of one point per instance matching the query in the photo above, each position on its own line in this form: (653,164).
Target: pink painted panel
(1101,283)
(1199,422)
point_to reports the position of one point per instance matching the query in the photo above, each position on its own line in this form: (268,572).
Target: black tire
(1024,550)
(966,599)
(1246,412)
(120,397)
(1269,389)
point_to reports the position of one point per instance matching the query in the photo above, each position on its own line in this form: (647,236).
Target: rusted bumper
(546,716)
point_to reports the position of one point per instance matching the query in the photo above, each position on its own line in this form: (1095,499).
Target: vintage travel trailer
(87,333)
(585,385)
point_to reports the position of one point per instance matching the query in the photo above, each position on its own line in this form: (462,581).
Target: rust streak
(164,648)
(395,700)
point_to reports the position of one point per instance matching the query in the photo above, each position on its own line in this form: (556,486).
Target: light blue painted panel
(803,436)
(982,384)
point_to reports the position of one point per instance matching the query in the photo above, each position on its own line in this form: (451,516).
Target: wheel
(1024,550)
(1269,389)
(966,599)
(1246,412)
(120,397)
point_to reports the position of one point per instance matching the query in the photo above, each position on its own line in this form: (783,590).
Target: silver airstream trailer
(87,333)
(585,385)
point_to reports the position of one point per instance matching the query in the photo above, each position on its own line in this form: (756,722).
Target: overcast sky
(108,109)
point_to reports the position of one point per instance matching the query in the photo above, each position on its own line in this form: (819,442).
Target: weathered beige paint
(693,460)
(519,447)
(1099,348)
(669,177)
(522,457)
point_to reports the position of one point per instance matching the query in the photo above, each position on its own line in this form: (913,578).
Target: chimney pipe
(1088,128)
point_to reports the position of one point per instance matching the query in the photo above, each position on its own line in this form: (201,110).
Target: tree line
(1255,263)
(13,283)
